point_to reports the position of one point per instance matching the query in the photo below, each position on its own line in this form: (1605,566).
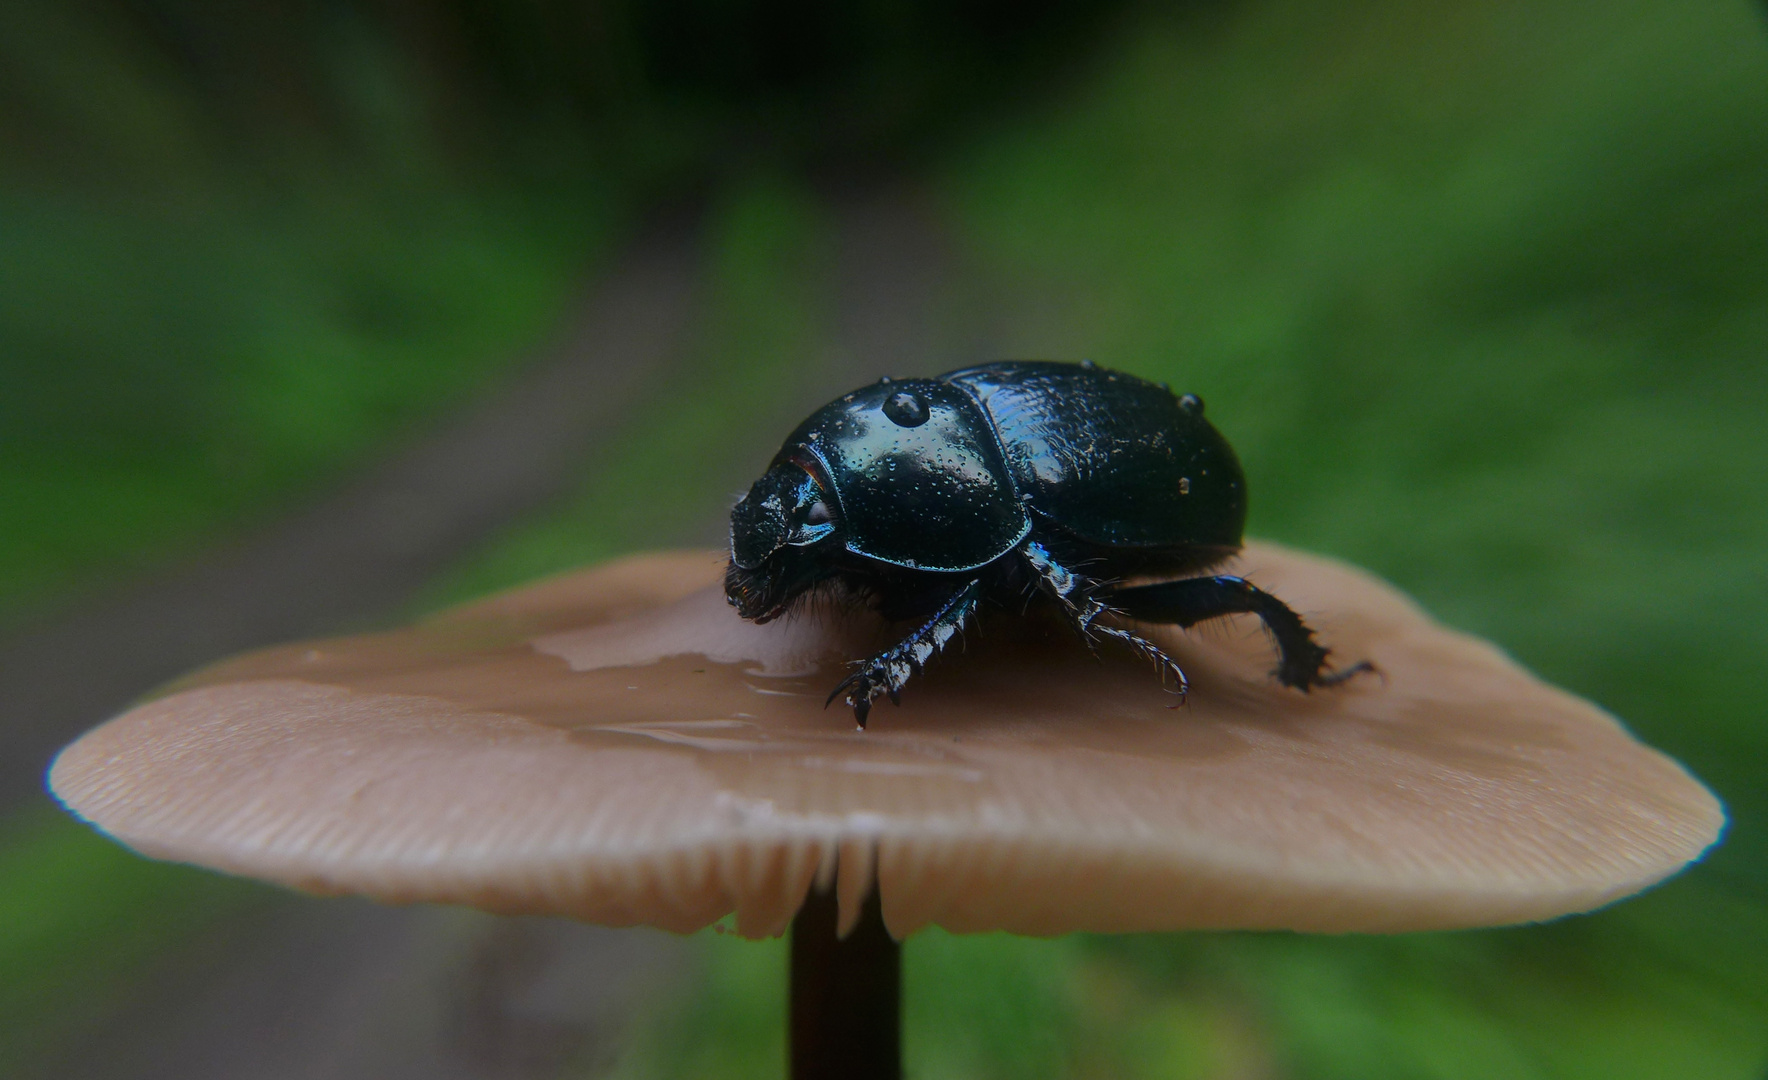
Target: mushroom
(617,746)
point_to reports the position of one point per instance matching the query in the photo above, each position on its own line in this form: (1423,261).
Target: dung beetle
(928,497)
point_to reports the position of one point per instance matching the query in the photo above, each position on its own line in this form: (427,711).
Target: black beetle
(928,496)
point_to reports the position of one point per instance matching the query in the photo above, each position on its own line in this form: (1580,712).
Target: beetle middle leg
(1302,662)
(887,672)
(1079,601)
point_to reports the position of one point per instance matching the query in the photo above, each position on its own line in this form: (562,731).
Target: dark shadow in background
(653,94)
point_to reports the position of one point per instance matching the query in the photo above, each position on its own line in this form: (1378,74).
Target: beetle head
(777,531)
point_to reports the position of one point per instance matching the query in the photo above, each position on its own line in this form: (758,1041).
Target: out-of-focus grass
(80,918)
(680,460)
(733,1025)
(171,368)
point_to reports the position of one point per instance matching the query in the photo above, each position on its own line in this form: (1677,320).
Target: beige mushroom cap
(616,745)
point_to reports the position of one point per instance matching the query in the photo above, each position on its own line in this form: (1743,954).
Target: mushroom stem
(846,995)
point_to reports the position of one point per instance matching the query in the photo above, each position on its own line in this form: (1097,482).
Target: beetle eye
(818,514)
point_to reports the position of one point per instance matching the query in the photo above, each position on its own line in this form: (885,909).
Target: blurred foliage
(80,919)
(1480,293)
(168,371)
(672,471)
(638,92)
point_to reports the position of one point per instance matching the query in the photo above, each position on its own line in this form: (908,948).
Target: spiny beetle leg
(1076,595)
(887,672)
(1152,653)
(1189,601)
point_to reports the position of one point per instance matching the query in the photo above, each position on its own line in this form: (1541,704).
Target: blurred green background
(1478,291)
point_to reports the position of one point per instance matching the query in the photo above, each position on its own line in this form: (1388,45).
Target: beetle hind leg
(887,672)
(1302,660)
(1076,596)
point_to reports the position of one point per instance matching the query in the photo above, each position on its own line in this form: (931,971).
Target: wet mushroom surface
(616,745)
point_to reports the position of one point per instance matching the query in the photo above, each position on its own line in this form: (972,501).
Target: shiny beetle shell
(932,497)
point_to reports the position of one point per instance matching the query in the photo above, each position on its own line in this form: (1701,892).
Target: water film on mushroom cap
(616,745)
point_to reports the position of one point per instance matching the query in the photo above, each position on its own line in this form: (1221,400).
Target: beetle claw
(860,687)
(843,685)
(1362,667)
(890,670)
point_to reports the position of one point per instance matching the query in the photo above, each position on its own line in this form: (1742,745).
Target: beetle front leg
(1192,600)
(887,672)
(1077,598)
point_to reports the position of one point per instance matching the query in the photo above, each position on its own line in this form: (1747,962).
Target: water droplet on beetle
(1191,403)
(1184,485)
(1088,365)
(905,408)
